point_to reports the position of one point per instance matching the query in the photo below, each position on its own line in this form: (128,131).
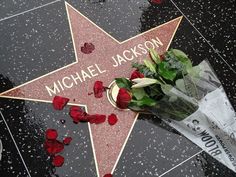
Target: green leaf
(182,57)
(154,91)
(145,101)
(144,82)
(190,86)
(154,55)
(138,93)
(194,71)
(150,65)
(138,66)
(178,53)
(133,106)
(180,85)
(166,89)
(165,72)
(123,83)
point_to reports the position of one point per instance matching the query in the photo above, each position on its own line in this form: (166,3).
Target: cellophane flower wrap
(189,98)
(213,125)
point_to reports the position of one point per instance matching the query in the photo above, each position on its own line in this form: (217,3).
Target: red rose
(107,175)
(59,102)
(58,161)
(87,48)
(96,118)
(112,119)
(51,134)
(53,146)
(67,140)
(123,98)
(98,89)
(136,74)
(77,114)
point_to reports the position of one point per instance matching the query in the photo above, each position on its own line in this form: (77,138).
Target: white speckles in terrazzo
(35,43)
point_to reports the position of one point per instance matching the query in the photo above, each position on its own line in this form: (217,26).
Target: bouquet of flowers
(189,98)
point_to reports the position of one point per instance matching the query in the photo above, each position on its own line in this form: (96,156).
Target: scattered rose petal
(51,134)
(77,114)
(123,98)
(67,140)
(162,57)
(136,74)
(107,175)
(87,48)
(98,89)
(96,118)
(58,161)
(59,102)
(53,146)
(157,1)
(112,119)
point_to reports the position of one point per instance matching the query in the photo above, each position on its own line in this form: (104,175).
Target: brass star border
(101,159)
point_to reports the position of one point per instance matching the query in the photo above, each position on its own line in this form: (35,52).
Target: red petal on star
(162,57)
(87,48)
(96,118)
(98,89)
(112,119)
(77,114)
(67,140)
(157,1)
(59,102)
(51,134)
(58,161)
(136,74)
(53,146)
(90,93)
(107,175)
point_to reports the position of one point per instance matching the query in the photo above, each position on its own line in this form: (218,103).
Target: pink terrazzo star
(109,59)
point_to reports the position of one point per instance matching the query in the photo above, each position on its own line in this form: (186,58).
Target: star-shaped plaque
(110,59)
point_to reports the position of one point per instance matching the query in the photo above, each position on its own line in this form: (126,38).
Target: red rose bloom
(112,119)
(98,89)
(96,118)
(58,161)
(136,74)
(123,98)
(51,134)
(53,146)
(107,175)
(67,140)
(87,48)
(77,114)
(59,102)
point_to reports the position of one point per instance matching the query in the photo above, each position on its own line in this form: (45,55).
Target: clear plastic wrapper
(199,108)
